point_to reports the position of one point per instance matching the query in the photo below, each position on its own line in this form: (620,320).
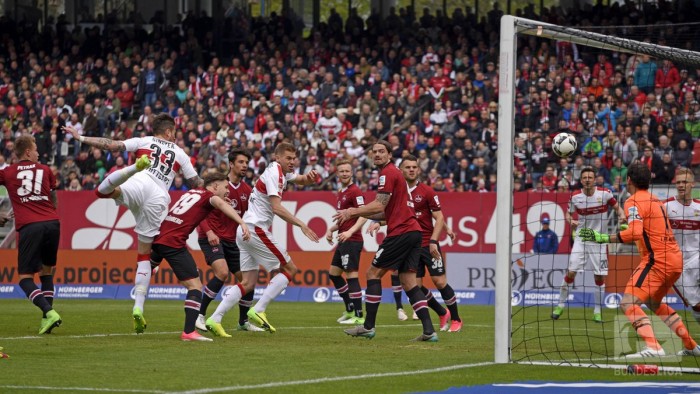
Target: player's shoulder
(245,188)
(603,190)
(696,200)
(425,189)
(669,200)
(576,193)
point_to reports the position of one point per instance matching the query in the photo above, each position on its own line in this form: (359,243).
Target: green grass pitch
(95,349)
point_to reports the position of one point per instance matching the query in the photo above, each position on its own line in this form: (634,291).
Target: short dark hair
(161,122)
(234,153)
(408,158)
(640,175)
(587,169)
(386,144)
(214,176)
(284,147)
(23,143)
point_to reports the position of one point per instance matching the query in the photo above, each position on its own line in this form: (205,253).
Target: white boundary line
(662,368)
(262,385)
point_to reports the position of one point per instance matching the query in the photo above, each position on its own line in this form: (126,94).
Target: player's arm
(621,217)
(373,210)
(345,235)
(329,233)
(97,142)
(204,228)
(194,182)
(279,210)
(435,236)
(633,233)
(304,180)
(226,208)
(54,198)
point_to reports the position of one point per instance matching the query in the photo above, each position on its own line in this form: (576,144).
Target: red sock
(675,323)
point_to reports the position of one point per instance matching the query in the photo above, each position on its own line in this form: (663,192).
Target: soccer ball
(564,144)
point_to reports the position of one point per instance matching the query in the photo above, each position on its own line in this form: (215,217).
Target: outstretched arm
(194,182)
(97,142)
(373,210)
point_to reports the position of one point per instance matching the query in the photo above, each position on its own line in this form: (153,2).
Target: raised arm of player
(194,182)
(97,142)
(373,210)
(226,208)
(279,210)
(305,180)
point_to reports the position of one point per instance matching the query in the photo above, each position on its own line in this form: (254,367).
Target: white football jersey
(272,182)
(167,160)
(592,210)
(326,125)
(685,221)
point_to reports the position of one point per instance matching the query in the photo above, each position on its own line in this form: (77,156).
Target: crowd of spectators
(427,83)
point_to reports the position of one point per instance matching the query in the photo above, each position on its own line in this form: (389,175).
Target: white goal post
(510,27)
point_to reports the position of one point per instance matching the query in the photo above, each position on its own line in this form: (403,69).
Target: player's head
(639,175)
(588,177)
(25,148)
(164,127)
(238,161)
(216,182)
(286,154)
(685,181)
(343,170)
(382,153)
(410,169)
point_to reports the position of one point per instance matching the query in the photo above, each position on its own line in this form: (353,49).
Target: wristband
(434,242)
(81,139)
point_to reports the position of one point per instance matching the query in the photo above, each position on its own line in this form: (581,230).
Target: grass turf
(95,348)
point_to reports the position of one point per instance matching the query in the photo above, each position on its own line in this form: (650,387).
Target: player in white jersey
(145,193)
(591,205)
(264,203)
(329,123)
(684,215)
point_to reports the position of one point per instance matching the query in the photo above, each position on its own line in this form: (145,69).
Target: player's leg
(335,273)
(29,262)
(49,257)
(687,285)
(398,293)
(638,291)
(111,183)
(185,270)
(425,260)
(215,258)
(245,304)
(576,262)
(669,316)
(351,273)
(407,273)
(598,258)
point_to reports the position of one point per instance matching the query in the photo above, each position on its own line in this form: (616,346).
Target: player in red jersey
(427,206)
(170,244)
(399,250)
(346,258)
(217,238)
(31,185)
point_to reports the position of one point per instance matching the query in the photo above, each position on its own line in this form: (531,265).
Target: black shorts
(399,253)
(435,268)
(180,260)
(225,250)
(37,245)
(347,256)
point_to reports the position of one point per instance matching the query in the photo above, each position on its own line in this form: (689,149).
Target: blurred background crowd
(426,82)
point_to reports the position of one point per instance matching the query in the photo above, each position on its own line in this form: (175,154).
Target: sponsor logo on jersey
(360,200)
(382,180)
(633,213)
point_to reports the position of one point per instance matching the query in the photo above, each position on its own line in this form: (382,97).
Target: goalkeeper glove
(587,234)
(624,226)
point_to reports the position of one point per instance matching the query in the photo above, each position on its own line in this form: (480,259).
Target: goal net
(601,87)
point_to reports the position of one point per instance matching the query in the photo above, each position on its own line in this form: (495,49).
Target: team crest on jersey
(599,199)
(382,180)
(244,197)
(418,198)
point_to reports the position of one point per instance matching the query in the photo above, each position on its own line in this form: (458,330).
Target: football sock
(244,306)
(675,323)
(432,302)
(276,286)
(47,288)
(448,295)
(115,179)
(598,292)
(342,287)
(192,305)
(641,323)
(373,296)
(142,280)
(35,295)
(564,290)
(209,293)
(230,299)
(355,292)
(396,287)
(420,306)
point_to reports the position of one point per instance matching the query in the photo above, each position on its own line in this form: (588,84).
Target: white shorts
(260,249)
(147,202)
(596,255)
(689,283)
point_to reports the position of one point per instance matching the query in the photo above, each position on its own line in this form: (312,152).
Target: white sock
(116,178)
(230,300)
(141,282)
(598,292)
(563,293)
(696,315)
(276,286)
